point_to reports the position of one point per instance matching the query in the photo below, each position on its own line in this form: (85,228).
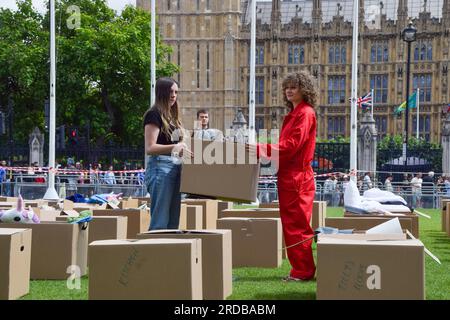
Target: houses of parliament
(211,43)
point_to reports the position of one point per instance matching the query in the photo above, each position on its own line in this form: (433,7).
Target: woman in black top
(163,143)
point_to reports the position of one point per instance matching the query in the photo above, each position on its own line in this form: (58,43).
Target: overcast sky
(40,4)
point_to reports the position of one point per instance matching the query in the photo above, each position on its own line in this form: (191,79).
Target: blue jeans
(162,179)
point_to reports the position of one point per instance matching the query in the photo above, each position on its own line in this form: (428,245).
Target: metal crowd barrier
(34,186)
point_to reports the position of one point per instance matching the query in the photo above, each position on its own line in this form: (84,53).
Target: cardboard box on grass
(256,213)
(105,227)
(55,247)
(447,220)
(256,241)
(221,170)
(444,204)
(351,267)
(191,217)
(223,205)
(216,257)
(318,215)
(209,211)
(138,219)
(146,269)
(363,224)
(15,261)
(413,217)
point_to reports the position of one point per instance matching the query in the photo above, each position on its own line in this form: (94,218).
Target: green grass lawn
(257,283)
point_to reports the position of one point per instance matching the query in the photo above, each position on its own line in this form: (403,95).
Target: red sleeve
(294,137)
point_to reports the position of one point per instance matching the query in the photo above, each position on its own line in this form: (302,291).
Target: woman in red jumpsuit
(296,187)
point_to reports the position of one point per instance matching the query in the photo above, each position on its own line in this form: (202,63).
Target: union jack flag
(365,101)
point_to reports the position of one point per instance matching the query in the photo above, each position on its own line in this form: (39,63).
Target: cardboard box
(105,227)
(55,247)
(363,224)
(129,203)
(444,203)
(145,269)
(191,218)
(256,241)
(251,213)
(15,261)
(216,171)
(414,228)
(355,268)
(269,205)
(209,210)
(447,220)
(47,215)
(223,205)
(319,214)
(256,213)
(87,206)
(138,220)
(216,257)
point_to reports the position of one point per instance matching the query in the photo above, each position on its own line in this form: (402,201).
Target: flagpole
(354,111)
(251,109)
(51,193)
(417,120)
(373,98)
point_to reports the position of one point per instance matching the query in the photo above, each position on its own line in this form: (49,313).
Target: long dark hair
(169,114)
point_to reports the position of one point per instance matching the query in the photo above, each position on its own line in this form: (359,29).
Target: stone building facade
(211,42)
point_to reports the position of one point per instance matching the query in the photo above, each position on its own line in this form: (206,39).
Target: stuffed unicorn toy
(19,214)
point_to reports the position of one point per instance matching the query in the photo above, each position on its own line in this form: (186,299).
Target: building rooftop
(303,9)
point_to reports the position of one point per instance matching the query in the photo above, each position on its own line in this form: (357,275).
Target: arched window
(430,52)
(331,55)
(290,55)
(373,54)
(379,53)
(416,53)
(343,55)
(423,51)
(385,53)
(302,55)
(296,55)
(337,55)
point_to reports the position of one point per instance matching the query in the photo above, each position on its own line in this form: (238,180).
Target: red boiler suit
(296,187)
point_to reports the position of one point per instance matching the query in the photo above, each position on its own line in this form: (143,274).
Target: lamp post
(409,36)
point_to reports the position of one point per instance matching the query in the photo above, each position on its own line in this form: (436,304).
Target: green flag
(412,102)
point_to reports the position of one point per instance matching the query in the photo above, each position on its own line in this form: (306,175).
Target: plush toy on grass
(19,214)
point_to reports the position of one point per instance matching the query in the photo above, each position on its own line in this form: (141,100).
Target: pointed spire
(402,13)
(276,13)
(317,15)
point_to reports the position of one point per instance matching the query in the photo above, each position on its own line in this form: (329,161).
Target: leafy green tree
(103,68)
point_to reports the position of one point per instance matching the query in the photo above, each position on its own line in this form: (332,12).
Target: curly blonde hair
(307,85)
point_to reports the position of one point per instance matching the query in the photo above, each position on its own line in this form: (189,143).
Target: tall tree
(103,67)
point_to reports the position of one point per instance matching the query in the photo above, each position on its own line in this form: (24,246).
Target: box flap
(10,231)
(70,213)
(203,231)
(140,241)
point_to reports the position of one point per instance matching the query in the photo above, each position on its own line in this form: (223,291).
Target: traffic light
(73,136)
(61,138)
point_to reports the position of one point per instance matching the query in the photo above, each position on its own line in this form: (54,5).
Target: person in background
(388,183)
(428,190)
(162,176)
(416,190)
(367,182)
(109,176)
(202,130)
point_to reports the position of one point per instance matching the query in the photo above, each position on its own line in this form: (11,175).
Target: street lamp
(409,36)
